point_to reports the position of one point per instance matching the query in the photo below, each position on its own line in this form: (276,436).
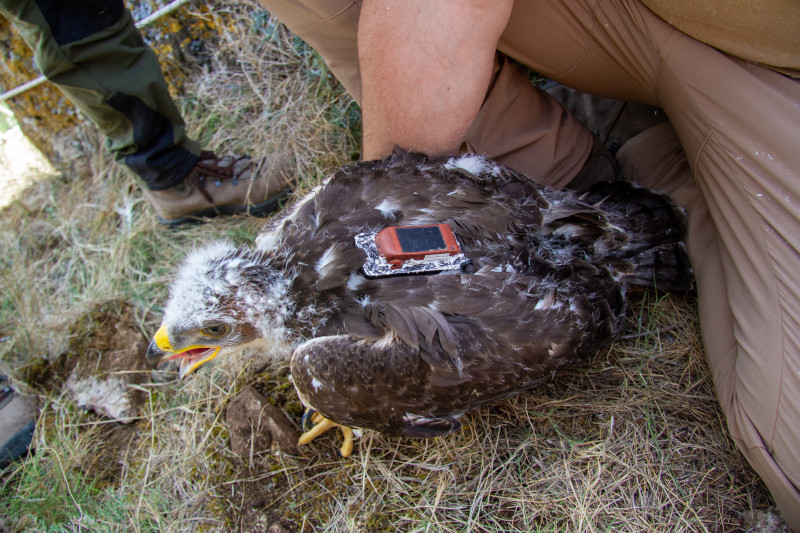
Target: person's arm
(425,68)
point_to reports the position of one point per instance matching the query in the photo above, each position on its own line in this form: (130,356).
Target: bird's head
(223,300)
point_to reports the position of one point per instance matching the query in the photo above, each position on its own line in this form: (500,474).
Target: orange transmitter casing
(408,250)
(399,244)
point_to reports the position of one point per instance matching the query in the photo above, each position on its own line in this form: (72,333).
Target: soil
(115,345)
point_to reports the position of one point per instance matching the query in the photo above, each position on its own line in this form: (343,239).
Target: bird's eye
(215,330)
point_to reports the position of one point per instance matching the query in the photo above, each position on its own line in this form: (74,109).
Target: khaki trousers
(730,154)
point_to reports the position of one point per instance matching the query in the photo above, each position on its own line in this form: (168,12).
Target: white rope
(169,8)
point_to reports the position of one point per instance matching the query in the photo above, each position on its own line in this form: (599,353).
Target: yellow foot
(321,425)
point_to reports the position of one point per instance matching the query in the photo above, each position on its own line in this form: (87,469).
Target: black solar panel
(420,239)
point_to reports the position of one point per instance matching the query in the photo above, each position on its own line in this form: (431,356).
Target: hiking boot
(224,186)
(17,423)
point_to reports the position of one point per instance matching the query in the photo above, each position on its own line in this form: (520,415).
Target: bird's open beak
(192,357)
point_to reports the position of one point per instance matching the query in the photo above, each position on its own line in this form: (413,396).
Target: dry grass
(633,442)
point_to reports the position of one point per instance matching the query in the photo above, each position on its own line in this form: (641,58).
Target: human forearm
(425,67)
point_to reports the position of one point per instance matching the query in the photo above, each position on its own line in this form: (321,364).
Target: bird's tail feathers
(655,253)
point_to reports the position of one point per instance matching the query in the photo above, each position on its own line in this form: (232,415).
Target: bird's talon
(308,420)
(311,418)
(347,445)
(321,425)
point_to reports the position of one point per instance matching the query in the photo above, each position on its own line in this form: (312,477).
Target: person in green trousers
(93,52)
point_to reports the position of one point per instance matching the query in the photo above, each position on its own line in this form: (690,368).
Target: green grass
(47,504)
(52,490)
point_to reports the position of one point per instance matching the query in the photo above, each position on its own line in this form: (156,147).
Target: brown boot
(224,186)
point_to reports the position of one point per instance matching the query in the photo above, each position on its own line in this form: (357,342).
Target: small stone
(255,425)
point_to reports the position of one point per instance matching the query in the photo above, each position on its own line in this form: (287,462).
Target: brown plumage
(408,355)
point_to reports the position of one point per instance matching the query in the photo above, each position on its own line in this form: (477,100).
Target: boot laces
(211,166)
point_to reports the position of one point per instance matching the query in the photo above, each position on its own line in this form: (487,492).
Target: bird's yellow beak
(192,357)
(161,338)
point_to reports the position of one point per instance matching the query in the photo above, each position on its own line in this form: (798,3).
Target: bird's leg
(321,425)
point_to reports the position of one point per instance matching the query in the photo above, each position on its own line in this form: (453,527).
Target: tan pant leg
(518,125)
(655,158)
(737,123)
(330,27)
(738,126)
(524,128)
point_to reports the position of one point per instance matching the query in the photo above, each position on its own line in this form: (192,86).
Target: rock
(105,395)
(255,425)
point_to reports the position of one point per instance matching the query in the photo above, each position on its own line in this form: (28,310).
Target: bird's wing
(437,361)
(365,384)
(460,323)
(428,347)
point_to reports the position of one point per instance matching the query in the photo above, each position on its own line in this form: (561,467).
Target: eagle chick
(408,355)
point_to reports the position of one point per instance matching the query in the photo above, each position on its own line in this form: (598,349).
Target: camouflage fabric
(94,53)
